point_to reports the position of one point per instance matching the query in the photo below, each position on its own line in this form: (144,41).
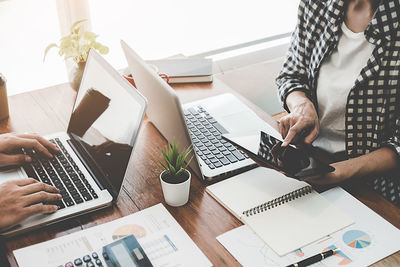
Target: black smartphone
(295,162)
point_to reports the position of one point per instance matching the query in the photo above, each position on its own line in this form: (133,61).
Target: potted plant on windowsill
(75,48)
(175,179)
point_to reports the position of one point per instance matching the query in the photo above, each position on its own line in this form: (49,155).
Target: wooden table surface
(47,111)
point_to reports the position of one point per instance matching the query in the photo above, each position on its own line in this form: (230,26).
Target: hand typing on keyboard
(12,146)
(20,199)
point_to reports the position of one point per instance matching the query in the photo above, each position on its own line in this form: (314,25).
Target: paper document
(368,240)
(162,238)
(279,208)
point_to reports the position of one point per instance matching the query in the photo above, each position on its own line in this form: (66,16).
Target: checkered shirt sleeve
(294,75)
(373,104)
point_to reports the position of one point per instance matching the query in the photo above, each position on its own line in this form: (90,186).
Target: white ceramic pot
(176,194)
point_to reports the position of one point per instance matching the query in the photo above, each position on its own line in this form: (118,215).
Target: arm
(372,164)
(301,124)
(294,75)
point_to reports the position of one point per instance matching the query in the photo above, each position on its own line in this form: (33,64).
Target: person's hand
(20,199)
(301,125)
(11,146)
(344,170)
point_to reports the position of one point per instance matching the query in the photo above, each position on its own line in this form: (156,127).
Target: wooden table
(47,111)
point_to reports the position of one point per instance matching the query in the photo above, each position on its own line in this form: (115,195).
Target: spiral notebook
(286,213)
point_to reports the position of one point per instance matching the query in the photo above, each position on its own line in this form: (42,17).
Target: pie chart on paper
(356,239)
(129,229)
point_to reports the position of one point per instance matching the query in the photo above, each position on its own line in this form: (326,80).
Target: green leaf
(187,164)
(76,24)
(77,43)
(172,169)
(162,165)
(175,160)
(50,46)
(103,50)
(90,36)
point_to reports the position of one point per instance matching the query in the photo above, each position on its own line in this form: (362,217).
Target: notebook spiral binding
(278,201)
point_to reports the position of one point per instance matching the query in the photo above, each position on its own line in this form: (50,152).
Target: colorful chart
(159,247)
(356,239)
(328,237)
(129,229)
(299,252)
(344,258)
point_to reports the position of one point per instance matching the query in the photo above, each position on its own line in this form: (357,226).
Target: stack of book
(186,70)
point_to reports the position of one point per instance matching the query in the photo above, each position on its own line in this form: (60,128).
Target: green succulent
(174,163)
(77,44)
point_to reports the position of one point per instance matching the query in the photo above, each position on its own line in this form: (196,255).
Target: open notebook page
(286,227)
(252,188)
(298,223)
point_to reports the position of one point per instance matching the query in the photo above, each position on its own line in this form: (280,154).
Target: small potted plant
(175,179)
(75,46)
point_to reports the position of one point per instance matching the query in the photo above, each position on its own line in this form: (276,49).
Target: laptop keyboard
(62,172)
(206,136)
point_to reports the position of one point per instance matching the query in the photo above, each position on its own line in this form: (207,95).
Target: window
(154,28)
(157,29)
(27,27)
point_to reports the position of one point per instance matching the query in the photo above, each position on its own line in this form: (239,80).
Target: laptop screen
(105,121)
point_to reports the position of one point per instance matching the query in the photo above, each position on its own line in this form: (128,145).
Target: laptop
(200,123)
(94,152)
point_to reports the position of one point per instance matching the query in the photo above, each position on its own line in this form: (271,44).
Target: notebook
(286,213)
(186,70)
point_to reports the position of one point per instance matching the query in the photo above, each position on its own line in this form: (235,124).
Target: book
(370,239)
(186,70)
(285,213)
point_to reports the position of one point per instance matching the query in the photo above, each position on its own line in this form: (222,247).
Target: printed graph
(159,247)
(129,229)
(299,252)
(344,259)
(356,239)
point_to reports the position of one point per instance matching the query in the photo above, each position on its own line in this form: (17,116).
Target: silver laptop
(200,123)
(95,150)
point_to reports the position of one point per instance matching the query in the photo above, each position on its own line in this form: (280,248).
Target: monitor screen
(105,120)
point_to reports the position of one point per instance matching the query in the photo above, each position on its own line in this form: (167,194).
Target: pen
(315,258)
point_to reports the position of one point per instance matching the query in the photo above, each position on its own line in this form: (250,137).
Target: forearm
(372,164)
(298,99)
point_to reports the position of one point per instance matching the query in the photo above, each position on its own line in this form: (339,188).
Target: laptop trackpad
(8,175)
(242,122)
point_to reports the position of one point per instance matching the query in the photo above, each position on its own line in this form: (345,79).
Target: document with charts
(278,208)
(162,238)
(368,240)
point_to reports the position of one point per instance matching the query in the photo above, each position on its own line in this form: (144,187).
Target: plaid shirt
(373,104)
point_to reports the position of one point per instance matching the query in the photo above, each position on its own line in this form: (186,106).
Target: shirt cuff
(394,144)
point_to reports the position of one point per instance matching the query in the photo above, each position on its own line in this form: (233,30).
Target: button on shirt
(337,76)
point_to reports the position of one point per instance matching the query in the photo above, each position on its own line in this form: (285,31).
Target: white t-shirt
(337,76)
